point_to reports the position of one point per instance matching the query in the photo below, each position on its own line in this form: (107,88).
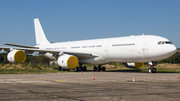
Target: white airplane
(132,51)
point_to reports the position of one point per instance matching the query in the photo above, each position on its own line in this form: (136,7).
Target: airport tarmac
(74,86)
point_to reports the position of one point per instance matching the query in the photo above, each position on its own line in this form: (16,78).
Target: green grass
(26,71)
(161,69)
(121,68)
(43,69)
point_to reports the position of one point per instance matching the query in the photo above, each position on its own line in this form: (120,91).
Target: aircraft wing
(80,55)
(5,48)
(23,46)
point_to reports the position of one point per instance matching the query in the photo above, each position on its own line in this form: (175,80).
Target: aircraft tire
(80,69)
(99,68)
(76,69)
(150,70)
(154,70)
(94,68)
(103,69)
(59,68)
(84,68)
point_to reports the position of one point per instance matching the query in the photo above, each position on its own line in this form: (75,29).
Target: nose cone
(169,51)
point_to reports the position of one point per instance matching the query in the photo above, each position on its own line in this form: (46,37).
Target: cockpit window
(165,42)
(168,42)
(160,42)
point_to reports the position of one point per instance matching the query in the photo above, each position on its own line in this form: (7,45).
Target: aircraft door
(106,52)
(145,48)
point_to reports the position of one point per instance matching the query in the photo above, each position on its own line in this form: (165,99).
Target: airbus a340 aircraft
(132,51)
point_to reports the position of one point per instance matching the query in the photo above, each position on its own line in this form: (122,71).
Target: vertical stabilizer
(40,36)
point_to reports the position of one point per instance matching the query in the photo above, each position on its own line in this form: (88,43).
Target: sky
(71,20)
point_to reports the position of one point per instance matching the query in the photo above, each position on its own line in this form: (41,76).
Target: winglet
(40,36)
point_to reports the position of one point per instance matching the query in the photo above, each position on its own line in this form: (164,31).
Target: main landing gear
(83,68)
(80,68)
(99,68)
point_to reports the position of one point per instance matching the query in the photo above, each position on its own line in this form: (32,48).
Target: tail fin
(40,36)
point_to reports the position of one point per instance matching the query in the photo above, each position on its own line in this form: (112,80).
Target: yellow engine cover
(17,56)
(20,56)
(72,62)
(68,61)
(138,65)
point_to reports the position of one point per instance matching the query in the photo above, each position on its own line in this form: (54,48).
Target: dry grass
(39,68)
(168,65)
(26,69)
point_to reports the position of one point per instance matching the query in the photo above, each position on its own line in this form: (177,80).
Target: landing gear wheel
(62,69)
(99,68)
(154,70)
(59,68)
(94,68)
(150,70)
(80,69)
(84,68)
(103,69)
(76,69)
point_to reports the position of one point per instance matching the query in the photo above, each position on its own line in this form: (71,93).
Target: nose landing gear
(152,69)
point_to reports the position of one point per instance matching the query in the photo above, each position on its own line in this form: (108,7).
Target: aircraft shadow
(130,71)
(127,71)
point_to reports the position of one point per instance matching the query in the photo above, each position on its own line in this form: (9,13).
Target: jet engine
(17,56)
(134,65)
(68,61)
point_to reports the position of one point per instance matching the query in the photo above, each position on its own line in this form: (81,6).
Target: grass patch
(28,69)
(129,80)
(141,81)
(161,68)
(114,67)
